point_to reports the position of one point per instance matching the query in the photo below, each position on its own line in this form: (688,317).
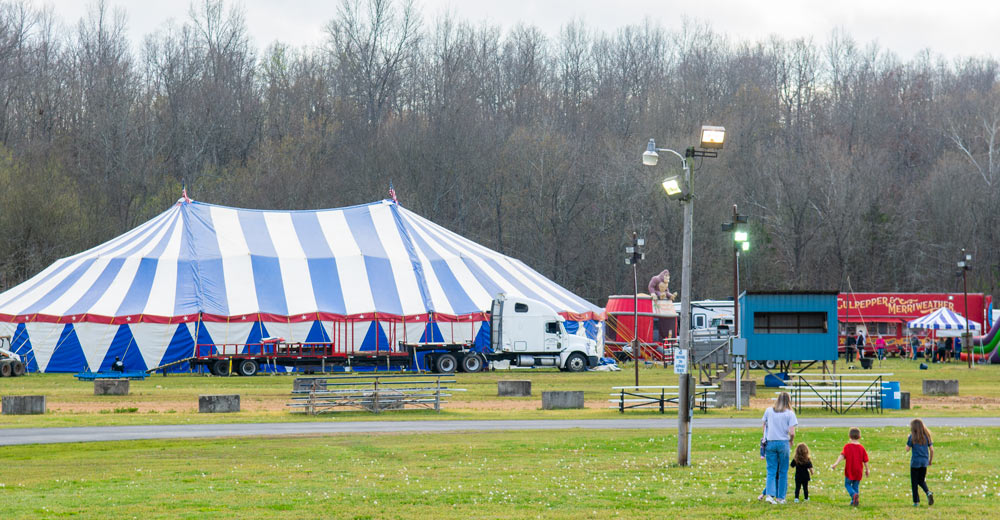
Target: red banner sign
(907,306)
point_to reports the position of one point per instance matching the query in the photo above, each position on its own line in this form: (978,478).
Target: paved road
(185,431)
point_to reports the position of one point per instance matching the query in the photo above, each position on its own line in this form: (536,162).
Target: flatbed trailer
(247,359)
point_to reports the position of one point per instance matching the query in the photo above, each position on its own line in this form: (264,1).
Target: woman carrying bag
(779,433)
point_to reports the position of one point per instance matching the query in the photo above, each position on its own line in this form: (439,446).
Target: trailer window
(789,323)
(552,327)
(699,321)
(520,307)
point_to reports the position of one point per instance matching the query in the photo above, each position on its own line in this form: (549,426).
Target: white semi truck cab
(524,333)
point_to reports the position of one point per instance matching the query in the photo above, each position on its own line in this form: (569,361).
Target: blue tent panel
(317,334)
(124,346)
(68,355)
(20,344)
(482,341)
(375,333)
(571,326)
(432,334)
(181,346)
(257,333)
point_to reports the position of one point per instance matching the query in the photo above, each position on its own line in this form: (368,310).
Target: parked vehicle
(11,364)
(524,333)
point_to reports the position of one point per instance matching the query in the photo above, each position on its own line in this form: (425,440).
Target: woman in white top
(779,432)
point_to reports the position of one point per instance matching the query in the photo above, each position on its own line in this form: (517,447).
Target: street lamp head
(650,157)
(740,236)
(675,187)
(713,137)
(746,246)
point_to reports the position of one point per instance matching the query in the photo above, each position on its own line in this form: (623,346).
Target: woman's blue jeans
(776,455)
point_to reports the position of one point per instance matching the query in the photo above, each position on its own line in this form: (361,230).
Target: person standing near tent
(880,347)
(861,344)
(850,351)
(914,346)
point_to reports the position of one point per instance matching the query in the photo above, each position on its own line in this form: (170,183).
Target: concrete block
(111,386)
(728,399)
(904,400)
(23,404)
(225,403)
(562,400)
(940,386)
(513,388)
(729,385)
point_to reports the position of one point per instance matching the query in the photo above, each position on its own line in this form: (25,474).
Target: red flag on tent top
(392,193)
(184,193)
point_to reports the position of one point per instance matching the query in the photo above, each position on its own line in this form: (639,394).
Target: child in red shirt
(856,457)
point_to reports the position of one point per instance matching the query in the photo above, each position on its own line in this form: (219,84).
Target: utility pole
(685,394)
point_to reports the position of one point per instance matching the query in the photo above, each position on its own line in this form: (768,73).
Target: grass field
(548,475)
(173,399)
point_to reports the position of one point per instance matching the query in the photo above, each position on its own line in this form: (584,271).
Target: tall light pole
(712,138)
(635,255)
(965,264)
(740,242)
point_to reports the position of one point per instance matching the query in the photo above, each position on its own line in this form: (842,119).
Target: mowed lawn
(550,474)
(174,399)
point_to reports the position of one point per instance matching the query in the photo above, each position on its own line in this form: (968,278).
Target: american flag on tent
(392,193)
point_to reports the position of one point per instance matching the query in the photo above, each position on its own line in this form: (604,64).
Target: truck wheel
(17,368)
(576,363)
(248,367)
(446,363)
(221,367)
(472,362)
(6,369)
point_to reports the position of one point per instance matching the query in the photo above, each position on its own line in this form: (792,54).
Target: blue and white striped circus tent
(200,275)
(943,319)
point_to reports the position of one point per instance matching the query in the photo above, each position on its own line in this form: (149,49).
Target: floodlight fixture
(746,246)
(675,187)
(740,236)
(713,137)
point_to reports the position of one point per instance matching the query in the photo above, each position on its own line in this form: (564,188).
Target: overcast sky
(956,28)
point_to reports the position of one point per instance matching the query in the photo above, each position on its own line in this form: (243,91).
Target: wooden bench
(661,397)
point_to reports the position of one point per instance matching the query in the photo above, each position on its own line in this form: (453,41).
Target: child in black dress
(803,465)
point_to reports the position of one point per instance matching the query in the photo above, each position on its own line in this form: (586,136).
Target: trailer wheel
(6,369)
(445,363)
(753,365)
(248,367)
(770,364)
(221,367)
(472,362)
(576,363)
(18,368)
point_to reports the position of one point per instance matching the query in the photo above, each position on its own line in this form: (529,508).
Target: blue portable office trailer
(786,326)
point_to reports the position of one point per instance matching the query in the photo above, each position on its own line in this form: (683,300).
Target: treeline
(859,170)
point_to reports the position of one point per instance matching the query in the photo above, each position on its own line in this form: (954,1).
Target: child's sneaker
(781,501)
(796,501)
(855,500)
(930,499)
(770,499)
(916,504)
